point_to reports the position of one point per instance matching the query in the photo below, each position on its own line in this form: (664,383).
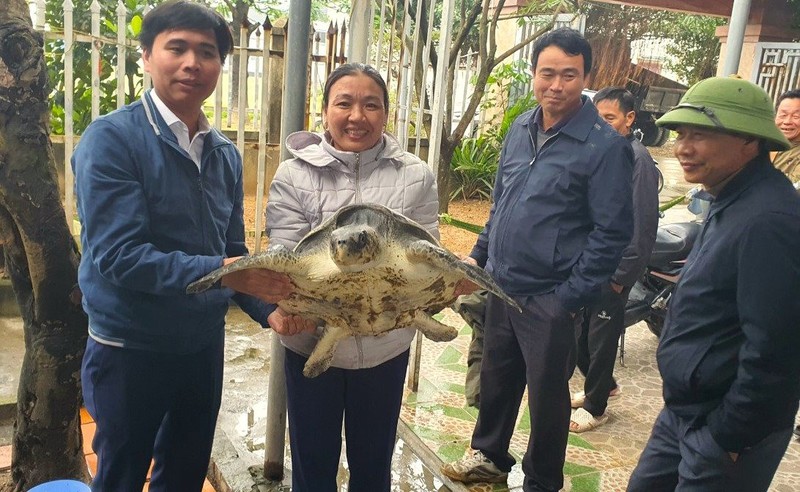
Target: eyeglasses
(706,111)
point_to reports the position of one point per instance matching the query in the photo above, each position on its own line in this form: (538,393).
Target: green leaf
(136,24)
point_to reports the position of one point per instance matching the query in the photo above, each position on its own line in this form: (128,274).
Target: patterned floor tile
(600,460)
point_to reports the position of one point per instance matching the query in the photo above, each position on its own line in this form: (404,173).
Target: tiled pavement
(600,460)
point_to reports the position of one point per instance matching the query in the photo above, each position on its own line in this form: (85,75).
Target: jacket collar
(315,149)
(753,172)
(161,128)
(578,126)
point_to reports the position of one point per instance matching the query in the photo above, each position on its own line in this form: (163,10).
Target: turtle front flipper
(432,329)
(424,251)
(322,355)
(277,258)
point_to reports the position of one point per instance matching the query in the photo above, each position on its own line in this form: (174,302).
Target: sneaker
(474,467)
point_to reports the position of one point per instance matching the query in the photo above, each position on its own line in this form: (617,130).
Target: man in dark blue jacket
(160,201)
(562,215)
(728,352)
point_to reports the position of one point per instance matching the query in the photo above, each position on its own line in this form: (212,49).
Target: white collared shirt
(181,131)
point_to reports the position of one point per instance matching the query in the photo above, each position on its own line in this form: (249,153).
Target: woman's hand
(289,324)
(265,284)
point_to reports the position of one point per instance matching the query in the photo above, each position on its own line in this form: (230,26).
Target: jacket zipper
(536,153)
(358,178)
(359,346)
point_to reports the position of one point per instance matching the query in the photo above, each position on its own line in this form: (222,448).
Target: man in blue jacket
(728,352)
(562,215)
(160,201)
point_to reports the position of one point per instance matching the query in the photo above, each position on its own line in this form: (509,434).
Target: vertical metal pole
(69,95)
(95,11)
(293,112)
(146,80)
(360,23)
(122,30)
(733,52)
(242,102)
(439,90)
(379,49)
(40,15)
(263,132)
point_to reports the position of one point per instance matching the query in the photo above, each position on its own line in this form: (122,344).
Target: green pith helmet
(731,105)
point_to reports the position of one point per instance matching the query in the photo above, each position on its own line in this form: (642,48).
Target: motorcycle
(650,295)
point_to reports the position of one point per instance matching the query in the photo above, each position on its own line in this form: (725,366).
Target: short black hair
(569,40)
(623,97)
(791,94)
(185,14)
(355,69)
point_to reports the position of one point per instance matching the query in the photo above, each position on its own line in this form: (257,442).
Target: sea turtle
(365,271)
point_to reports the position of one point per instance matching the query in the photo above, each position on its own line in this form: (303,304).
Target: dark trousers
(149,405)
(597,339)
(369,400)
(534,348)
(684,458)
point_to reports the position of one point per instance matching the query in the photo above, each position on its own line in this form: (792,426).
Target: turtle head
(356,244)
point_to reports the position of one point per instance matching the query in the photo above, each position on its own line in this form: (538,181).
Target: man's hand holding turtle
(265,284)
(465,287)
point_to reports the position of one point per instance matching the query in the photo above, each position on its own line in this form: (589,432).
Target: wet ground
(436,424)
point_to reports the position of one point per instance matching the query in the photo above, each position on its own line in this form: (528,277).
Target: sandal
(583,421)
(579,397)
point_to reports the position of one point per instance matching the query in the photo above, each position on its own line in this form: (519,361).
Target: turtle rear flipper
(322,355)
(432,329)
(424,251)
(277,258)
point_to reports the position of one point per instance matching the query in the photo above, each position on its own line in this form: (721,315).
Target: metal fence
(259,74)
(777,67)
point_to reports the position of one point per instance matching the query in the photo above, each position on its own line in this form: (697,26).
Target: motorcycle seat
(673,243)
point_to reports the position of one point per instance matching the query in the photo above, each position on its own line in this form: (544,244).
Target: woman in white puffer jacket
(353,162)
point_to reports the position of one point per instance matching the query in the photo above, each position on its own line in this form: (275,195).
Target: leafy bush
(474,162)
(474,165)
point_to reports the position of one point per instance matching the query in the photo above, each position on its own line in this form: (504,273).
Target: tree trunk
(448,146)
(41,259)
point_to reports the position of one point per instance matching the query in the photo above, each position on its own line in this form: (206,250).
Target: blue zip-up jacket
(728,352)
(151,224)
(561,216)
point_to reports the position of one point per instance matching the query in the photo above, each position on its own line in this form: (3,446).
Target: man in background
(787,117)
(604,320)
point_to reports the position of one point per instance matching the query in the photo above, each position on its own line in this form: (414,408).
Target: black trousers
(534,348)
(367,400)
(597,339)
(152,405)
(684,458)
